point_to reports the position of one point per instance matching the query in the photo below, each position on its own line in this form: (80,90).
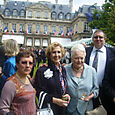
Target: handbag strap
(41,98)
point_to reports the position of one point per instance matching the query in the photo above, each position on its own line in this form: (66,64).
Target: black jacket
(108,86)
(51,86)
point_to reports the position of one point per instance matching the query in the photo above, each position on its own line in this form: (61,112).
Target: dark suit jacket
(51,86)
(108,86)
(110,53)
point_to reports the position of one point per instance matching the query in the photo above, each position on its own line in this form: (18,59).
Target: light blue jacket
(86,84)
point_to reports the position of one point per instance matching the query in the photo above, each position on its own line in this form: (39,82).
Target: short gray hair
(98,30)
(77,47)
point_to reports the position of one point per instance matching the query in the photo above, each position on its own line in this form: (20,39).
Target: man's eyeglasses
(26,62)
(96,37)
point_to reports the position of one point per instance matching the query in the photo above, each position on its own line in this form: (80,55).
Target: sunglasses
(100,37)
(26,62)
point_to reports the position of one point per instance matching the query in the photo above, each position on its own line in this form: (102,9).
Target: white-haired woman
(82,82)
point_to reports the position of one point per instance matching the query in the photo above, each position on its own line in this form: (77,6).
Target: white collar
(103,49)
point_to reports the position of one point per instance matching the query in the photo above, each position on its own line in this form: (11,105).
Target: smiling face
(99,40)
(25,65)
(78,59)
(56,55)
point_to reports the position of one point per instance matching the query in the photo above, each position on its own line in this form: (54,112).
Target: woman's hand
(67,96)
(44,64)
(87,98)
(60,102)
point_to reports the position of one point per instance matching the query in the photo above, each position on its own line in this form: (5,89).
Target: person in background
(108,88)
(11,49)
(66,59)
(82,82)
(18,95)
(51,79)
(104,55)
(2,57)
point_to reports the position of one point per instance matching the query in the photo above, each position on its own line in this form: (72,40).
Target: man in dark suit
(108,86)
(104,55)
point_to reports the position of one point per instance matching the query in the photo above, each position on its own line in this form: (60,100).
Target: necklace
(78,70)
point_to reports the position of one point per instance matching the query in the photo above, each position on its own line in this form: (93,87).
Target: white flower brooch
(48,74)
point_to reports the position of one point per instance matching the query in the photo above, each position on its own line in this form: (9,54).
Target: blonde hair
(11,47)
(50,48)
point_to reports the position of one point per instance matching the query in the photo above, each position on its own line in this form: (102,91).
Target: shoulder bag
(44,111)
(97,111)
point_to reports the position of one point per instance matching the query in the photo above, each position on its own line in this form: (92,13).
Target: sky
(76,3)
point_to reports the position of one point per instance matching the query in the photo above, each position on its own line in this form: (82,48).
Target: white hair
(77,47)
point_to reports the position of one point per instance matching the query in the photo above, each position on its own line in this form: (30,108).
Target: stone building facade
(38,23)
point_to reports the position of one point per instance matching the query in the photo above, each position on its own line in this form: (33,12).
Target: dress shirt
(101,62)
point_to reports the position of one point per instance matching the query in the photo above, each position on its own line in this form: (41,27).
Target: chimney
(5,1)
(56,1)
(71,4)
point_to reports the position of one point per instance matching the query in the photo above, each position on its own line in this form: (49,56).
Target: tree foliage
(105,20)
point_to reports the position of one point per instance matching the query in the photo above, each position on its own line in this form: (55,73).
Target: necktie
(95,61)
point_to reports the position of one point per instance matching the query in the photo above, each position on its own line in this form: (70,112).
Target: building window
(45,28)
(6,27)
(53,7)
(61,16)
(21,29)
(46,14)
(76,28)
(61,30)
(38,14)
(22,13)
(30,14)
(53,29)
(37,42)
(68,16)
(15,13)
(91,9)
(86,27)
(37,28)
(45,43)
(14,27)
(15,4)
(60,7)
(7,12)
(53,15)
(29,42)
(23,4)
(29,28)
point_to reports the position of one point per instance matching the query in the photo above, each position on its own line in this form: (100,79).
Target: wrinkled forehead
(79,53)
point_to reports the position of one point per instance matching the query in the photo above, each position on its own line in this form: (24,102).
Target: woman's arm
(95,89)
(7,95)
(61,102)
(87,98)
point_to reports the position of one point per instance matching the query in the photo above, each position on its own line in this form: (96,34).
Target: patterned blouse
(17,97)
